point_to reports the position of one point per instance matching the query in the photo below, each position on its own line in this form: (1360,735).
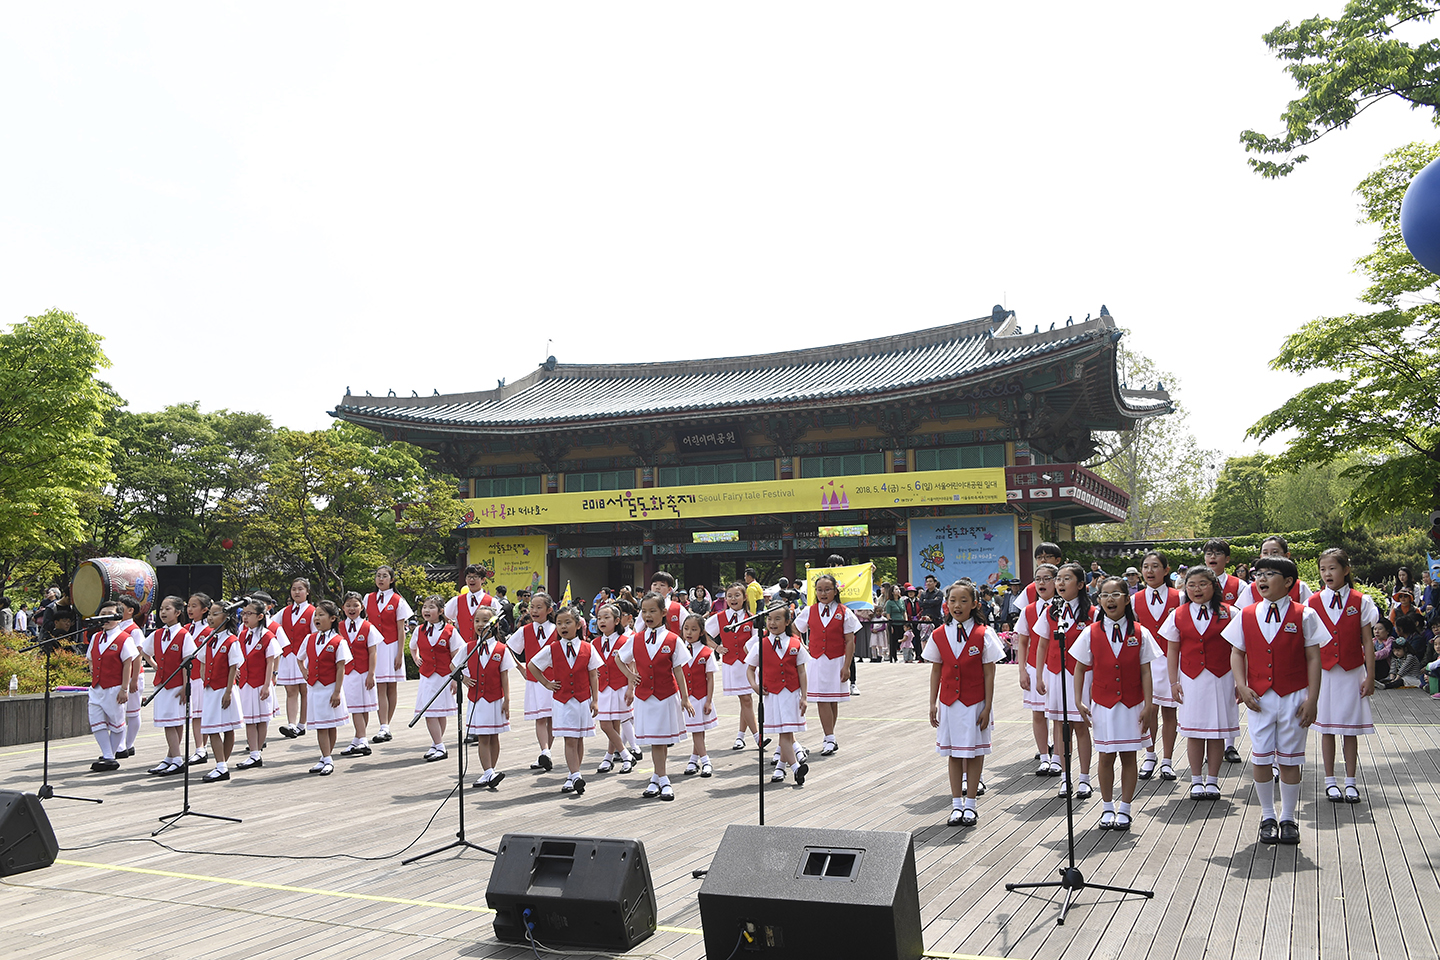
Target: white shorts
(613,706)
(1052,694)
(290,673)
(1341,710)
(539,702)
(1275,732)
(252,708)
(106,712)
(484,718)
(322,716)
(658,723)
(132,706)
(822,680)
(705,717)
(571,718)
(1160,682)
(734,680)
(216,718)
(1116,729)
(358,697)
(1209,711)
(958,735)
(385,669)
(168,708)
(444,705)
(1032,700)
(782,713)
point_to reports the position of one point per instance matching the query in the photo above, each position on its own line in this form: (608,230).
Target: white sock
(1108,806)
(705,759)
(1330,782)
(1150,756)
(957,803)
(571,778)
(545,752)
(384,728)
(1349,781)
(694,759)
(117,742)
(107,751)
(328,760)
(489,772)
(1165,764)
(356,741)
(654,778)
(830,738)
(664,781)
(969,803)
(254,754)
(221,766)
(438,745)
(1212,781)
(1289,799)
(1123,807)
(1266,793)
(1195,780)
(1084,778)
(132,730)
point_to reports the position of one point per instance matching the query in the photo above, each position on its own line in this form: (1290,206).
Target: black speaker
(26,840)
(788,892)
(182,579)
(577,891)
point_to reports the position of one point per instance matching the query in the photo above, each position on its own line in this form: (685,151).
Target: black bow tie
(1273,614)
(1335,600)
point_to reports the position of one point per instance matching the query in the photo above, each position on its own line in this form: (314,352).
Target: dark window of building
(698,473)
(599,480)
(506,486)
(961,458)
(844,466)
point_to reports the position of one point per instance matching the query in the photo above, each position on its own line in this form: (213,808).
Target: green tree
(1343,67)
(52,459)
(1381,405)
(1307,496)
(1239,505)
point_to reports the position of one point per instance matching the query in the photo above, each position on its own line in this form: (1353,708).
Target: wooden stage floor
(1356,887)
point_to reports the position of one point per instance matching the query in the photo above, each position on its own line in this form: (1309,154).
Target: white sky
(420,196)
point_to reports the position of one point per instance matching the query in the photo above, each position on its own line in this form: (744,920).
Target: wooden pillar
(787,554)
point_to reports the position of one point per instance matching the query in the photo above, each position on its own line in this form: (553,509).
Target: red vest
(657,675)
(1207,651)
(464,619)
(1230,589)
(217,662)
(383,618)
(781,673)
(1032,614)
(532,647)
(168,659)
(1031,596)
(1115,679)
(1140,603)
(1052,653)
(733,640)
(296,629)
(320,664)
(107,669)
(574,680)
(1346,646)
(827,639)
(486,675)
(359,642)
(611,677)
(696,669)
(435,655)
(1279,663)
(253,670)
(962,677)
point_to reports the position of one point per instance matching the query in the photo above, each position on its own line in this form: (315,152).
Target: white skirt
(444,705)
(290,673)
(1209,711)
(483,718)
(168,708)
(1116,729)
(782,713)
(197,692)
(822,680)
(1032,700)
(539,701)
(1341,710)
(252,708)
(705,717)
(1160,682)
(215,718)
(734,680)
(612,705)
(958,735)
(132,706)
(571,718)
(106,710)
(1052,694)
(385,669)
(658,723)
(321,715)
(358,697)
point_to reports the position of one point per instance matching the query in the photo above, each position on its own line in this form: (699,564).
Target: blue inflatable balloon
(1420,217)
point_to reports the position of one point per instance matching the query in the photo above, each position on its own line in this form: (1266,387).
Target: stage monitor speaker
(26,840)
(792,893)
(576,891)
(182,579)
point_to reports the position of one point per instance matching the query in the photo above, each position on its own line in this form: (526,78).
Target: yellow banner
(857,584)
(518,562)
(928,488)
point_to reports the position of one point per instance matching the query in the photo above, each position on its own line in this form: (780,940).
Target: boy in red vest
(661,584)
(114,656)
(129,610)
(575,688)
(1276,664)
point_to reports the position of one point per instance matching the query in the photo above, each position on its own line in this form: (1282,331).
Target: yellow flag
(565,600)
(857,582)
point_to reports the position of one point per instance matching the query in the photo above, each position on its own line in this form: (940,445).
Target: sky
(261,205)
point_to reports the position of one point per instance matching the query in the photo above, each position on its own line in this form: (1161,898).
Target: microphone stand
(1071,880)
(760,706)
(47,792)
(459,840)
(170,819)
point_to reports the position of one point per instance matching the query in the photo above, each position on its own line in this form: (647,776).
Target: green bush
(67,669)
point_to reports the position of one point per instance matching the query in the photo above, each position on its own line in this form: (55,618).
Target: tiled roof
(889,367)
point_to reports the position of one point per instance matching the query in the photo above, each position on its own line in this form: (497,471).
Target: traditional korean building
(954,449)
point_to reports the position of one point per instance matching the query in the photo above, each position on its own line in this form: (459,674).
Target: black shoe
(1269,831)
(1232,755)
(289,732)
(104,765)
(215,776)
(354,751)
(1289,832)
(494,781)
(382,737)
(800,771)
(125,754)
(250,763)
(579,786)
(472,739)
(543,763)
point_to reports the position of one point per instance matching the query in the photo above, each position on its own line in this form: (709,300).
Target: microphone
(236,604)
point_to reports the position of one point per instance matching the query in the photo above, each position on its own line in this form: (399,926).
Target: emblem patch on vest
(1351,611)
(1290,628)
(1132,642)
(973,651)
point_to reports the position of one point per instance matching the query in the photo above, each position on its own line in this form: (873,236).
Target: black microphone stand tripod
(170,819)
(47,792)
(1071,880)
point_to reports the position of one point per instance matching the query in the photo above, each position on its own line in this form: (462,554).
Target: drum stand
(170,819)
(47,792)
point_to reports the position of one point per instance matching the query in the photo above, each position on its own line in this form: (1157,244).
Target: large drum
(110,578)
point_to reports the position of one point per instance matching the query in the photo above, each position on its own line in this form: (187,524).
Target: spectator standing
(896,615)
(7,616)
(754,593)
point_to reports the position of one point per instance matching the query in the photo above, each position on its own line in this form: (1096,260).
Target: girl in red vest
(323,658)
(1217,556)
(655,660)
(700,682)
(1348,677)
(830,627)
(166,648)
(1152,605)
(783,707)
(359,684)
(197,608)
(487,680)
(220,712)
(1272,546)
(113,655)
(732,639)
(295,622)
(1114,654)
(962,653)
(1198,664)
(616,694)
(629,611)
(261,646)
(1276,662)
(1057,631)
(387,611)
(1043,588)
(438,650)
(573,663)
(525,643)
